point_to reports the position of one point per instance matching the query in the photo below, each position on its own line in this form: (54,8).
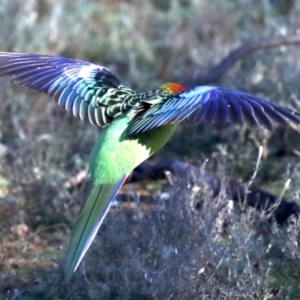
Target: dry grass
(172,252)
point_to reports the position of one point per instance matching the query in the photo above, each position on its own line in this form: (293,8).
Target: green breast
(112,157)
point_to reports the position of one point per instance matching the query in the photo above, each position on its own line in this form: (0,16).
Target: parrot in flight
(135,125)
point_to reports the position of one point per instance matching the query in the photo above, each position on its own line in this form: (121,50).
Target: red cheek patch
(173,88)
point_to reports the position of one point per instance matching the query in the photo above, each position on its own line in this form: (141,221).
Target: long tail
(88,222)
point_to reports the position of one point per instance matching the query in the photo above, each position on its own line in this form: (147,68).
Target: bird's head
(172,88)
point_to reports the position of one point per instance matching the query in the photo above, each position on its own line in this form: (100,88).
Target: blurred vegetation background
(166,254)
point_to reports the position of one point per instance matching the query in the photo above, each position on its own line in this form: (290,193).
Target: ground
(166,249)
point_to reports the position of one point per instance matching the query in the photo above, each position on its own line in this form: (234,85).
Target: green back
(113,156)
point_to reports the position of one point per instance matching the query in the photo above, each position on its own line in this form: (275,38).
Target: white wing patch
(199,90)
(86,71)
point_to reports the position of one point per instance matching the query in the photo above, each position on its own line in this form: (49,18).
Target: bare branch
(217,72)
(254,197)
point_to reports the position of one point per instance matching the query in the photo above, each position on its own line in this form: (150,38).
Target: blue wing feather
(69,81)
(261,115)
(249,114)
(211,112)
(221,116)
(216,105)
(75,84)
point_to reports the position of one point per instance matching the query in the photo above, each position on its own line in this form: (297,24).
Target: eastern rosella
(135,124)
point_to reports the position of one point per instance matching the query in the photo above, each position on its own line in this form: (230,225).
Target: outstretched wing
(210,105)
(75,84)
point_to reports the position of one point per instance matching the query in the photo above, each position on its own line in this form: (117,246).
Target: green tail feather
(88,222)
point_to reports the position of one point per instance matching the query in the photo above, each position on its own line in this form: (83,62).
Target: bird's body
(135,124)
(123,155)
